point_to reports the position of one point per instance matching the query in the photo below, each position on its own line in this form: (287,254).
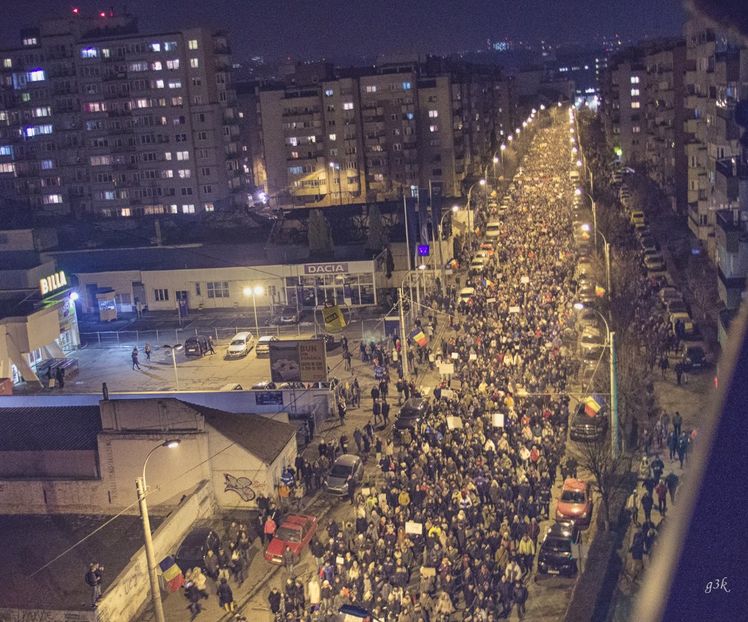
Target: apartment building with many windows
(99,120)
(370,134)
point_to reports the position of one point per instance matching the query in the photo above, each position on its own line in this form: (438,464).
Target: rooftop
(261,436)
(49,428)
(19,260)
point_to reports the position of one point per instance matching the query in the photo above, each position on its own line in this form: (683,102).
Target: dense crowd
(453,522)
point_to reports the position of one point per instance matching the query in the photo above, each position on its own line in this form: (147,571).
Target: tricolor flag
(419,337)
(172,574)
(488,282)
(593,404)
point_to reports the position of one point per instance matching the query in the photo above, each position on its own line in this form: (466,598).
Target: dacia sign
(325,268)
(52,283)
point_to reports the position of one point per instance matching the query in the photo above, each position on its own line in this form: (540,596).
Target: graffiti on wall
(242,486)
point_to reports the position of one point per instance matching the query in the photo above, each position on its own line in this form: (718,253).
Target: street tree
(607,471)
(377,237)
(319,235)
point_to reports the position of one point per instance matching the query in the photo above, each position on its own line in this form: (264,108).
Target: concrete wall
(129,593)
(42,615)
(48,463)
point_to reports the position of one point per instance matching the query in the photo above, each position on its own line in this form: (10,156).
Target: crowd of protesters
(452,524)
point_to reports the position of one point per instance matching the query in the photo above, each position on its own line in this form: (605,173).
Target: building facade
(370,134)
(100,120)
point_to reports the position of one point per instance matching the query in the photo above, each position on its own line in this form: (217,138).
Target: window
(30,41)
(189,208)
(183,155)
(194,63)
(186,192)
(207,189)
(51,199)
(8,167)
(635,104)
(172,64)
(197,81)
(371,89)
(37,75)
(209,207)
(184,173)
(295,170)
(634,79)
(138,66)
(433,114)
(407,86)
(102,160)
(161,295)
(89,53)
(159,84)
(156,66)
(180,138)
(170,46)
(328,92)
(218,289)
(433,128)
(192,44)
(44,111)
(155,47)
(7,63)
(198,291)
(347,105)
(6,150)
(333,136)
(36,130)
(205,171)
(636,129)
(634,92)
(47,164)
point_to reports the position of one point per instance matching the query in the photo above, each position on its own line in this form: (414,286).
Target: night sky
(335,28)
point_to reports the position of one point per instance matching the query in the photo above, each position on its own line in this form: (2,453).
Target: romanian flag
(488,282)
(599,291)
(171,573)
(334,320)
(593,404)
(419,337)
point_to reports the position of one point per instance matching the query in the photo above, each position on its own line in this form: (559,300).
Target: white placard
(446,369)
(473,356)
(413,528)
(454,422)
(491,299)
(455,355)
(525,280)
(513,309)
(365,491)
(448,394)
(428,571)
(497,420)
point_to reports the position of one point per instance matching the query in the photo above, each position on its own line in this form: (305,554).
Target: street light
(614,432)
(454,210)
(150,555)
(174,348)
(257,290)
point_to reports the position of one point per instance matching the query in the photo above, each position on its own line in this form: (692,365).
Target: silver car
(346,466)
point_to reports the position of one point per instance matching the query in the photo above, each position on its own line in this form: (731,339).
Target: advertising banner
(298,361)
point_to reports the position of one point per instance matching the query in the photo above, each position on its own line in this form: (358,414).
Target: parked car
(585,290)
(477,265)
(591,340)
(411,414)
(648,243)
(289,315)
(575,502)
(694,356)
(345,466)
(587,317)
(195,346)
(560,549)
(493,229)
(587,428)
(488,248)
(263,345)
(195,546)
(637,217)
(654,263)
(669,294)
(240,345)
(295,531)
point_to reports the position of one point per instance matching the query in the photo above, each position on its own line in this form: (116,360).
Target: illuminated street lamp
(150,555)
(453,210)
(257,290)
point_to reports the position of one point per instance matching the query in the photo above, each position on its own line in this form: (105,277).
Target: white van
(493,229)
(240,345)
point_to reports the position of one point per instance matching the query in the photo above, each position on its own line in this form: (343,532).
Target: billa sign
(325,268)
(52,283)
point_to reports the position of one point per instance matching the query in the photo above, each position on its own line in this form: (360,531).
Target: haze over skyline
(344,28)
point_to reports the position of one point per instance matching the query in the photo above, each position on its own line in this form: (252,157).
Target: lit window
(138,66)
(126,212)
(174,208)
(635,105)
(636,129)
(170,46)
(167,155)
(184,173)
(47,164)
(7,63)
(6,150)
(155,47)
(634,79)
(37,75)
(175,84)
(194,63)
(218,289)
(167,173)
(209,207)
(333,136)
(102,160)
(192,44)
(347,105)
(407,86)
(36,130)
(156,66)
(159,84)
(433,128)
(433,114)
(142,103)
(189,209)
(30,41)
(172,64)
(44,111)
(328,92)
(371,89)
(7,167)
(634,92)
(51,199)
(409,115)
(89,53)
(183,155)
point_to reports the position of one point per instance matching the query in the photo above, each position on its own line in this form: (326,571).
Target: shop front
(342,283)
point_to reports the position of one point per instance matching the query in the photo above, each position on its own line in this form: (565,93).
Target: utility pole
(150,554)
(403,334)
(614,423)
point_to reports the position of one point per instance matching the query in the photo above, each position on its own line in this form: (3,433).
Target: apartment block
(371,134)
(99,120)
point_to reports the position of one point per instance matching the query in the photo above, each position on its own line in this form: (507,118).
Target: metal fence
(368,330)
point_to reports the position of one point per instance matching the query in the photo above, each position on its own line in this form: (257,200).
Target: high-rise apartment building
(99,120)
(370,134)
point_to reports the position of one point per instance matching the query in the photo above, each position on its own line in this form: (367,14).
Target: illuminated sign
(52,283)
(325,268)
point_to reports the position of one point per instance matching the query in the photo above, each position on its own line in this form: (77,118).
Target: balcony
(729,230)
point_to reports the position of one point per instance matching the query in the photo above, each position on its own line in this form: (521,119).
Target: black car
(195,546)
(411,414)
(586,428)
(694,356)
(196,346)
(560,549)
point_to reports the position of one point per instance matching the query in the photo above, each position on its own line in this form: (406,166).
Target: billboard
(302,360)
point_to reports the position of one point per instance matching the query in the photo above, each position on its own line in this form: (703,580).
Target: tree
(319,235)
(377,237)
(608,471)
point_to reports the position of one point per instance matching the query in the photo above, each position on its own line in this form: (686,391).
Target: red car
(295,531)
(575,502)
